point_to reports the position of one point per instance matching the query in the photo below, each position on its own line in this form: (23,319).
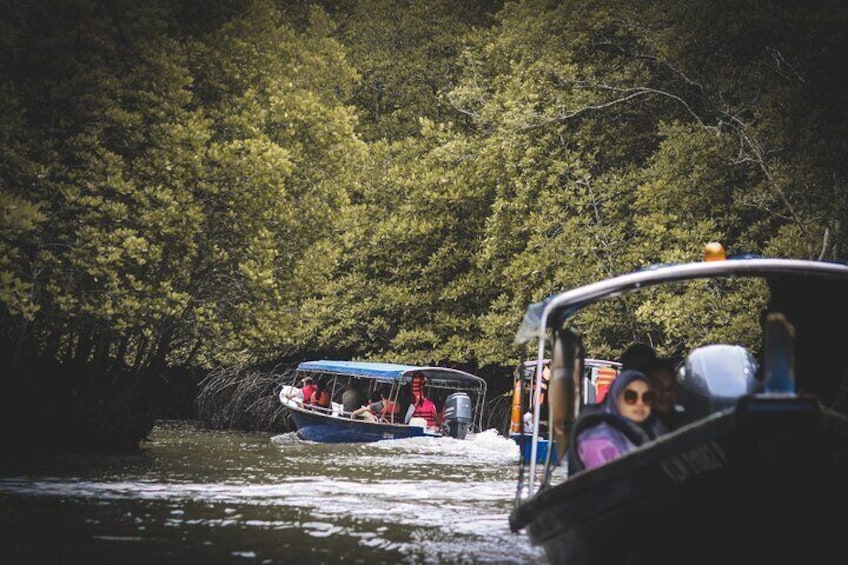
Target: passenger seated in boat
(353,397)
(665,409)
(382,409)
(543,399)
(638,356)
(321,396)
(302,394)
(421,406)
(295,393)
(623,422)
(543,402)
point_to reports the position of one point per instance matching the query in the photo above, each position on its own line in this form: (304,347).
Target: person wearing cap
(307,387)
(381,409)
(301,393)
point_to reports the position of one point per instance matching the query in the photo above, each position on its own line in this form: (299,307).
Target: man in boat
(382,409)
(353,397)
(307,387)
(638,356)
(301,394)
(543,401)
(661,370)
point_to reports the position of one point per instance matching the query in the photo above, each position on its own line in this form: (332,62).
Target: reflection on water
(201,496)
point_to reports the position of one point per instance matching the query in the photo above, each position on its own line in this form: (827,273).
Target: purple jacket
(612,435)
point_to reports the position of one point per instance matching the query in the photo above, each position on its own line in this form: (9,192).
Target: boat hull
(525,445)
(326,428)
(765,481)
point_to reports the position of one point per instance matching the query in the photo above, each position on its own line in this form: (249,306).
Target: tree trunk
(84,345)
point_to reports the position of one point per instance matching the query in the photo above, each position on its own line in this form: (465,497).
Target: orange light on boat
(714,251)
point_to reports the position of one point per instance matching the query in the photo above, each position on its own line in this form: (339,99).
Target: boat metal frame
(553,312)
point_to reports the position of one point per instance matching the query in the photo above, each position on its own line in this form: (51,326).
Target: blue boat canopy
(392,372)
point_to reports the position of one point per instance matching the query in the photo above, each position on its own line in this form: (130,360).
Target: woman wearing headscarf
(624,421)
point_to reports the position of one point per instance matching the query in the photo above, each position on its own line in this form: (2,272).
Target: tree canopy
(398,180)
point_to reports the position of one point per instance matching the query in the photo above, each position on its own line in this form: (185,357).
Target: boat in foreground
(459,398)
(758,469)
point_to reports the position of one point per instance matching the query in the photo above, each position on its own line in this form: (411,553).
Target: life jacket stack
(603,381)
(417,386)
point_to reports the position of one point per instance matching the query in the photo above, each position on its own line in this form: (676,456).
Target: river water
(199,496)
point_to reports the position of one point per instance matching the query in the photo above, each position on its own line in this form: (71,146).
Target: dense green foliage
(190,186)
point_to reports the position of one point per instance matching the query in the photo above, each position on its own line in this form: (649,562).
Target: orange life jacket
(320,398)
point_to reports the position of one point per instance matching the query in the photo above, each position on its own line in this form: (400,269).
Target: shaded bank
(243,399)
(48,407)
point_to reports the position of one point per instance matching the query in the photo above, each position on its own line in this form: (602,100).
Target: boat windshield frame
(541,317)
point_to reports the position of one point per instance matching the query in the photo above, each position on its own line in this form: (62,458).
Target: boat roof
(391,372)
(540,314)
(529,366)
(589,362)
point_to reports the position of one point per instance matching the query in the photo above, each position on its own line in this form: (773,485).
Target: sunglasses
(631,396)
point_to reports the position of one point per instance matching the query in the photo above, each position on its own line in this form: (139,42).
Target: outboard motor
(457,414)
(713,378)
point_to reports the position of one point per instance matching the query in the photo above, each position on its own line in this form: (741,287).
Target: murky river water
(210,497)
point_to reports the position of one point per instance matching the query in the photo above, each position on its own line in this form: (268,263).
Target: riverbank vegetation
(190,187)
(243,398)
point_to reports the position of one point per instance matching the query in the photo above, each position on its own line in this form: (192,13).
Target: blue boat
(597,376)
(525,443)
(459,398)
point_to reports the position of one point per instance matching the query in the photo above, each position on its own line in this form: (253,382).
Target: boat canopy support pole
(563,397)
(567,371)
(779,355)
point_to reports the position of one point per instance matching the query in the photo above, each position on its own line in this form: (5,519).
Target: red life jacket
(390,410)
(307,393)
(605,377)
(427,410)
